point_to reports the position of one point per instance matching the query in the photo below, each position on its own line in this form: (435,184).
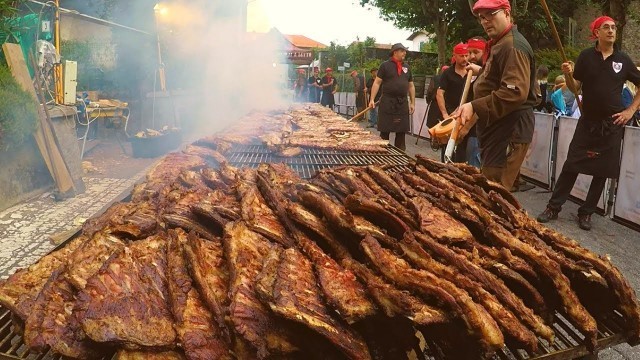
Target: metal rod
(569,79)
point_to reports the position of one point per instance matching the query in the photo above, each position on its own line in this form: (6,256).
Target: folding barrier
(537,165)
(627,203)
(566,128)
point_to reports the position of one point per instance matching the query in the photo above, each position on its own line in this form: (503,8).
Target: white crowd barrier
(627,203)
(418,119)
(537,164)
(566,128)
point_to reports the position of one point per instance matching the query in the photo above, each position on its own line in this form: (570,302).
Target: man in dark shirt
(395,77)
(601,72)
(314,83)
(329,87)
(450,91)
(504,95)
(373,113)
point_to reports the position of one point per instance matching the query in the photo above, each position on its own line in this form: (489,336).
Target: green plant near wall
(18,111)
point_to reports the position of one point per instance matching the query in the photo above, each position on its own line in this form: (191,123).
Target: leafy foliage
(18,111)
(8,8)
(552,59)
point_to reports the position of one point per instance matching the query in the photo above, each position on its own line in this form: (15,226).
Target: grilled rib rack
(312,160)
(568,344)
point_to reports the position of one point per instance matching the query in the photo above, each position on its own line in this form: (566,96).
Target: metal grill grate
(568,344)
(311,160)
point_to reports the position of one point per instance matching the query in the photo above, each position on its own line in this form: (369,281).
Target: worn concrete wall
(22,173)
(100,37)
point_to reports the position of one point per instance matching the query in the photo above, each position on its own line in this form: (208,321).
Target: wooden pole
(362,112)
(448,153)
(571,84)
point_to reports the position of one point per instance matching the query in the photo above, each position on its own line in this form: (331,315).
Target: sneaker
(584,222)
(547,215)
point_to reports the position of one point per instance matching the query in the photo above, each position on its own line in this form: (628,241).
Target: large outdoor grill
(307,162)
(311,160)
(568,344)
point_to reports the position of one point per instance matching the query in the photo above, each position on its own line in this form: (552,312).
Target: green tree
(8,7)
(452,20)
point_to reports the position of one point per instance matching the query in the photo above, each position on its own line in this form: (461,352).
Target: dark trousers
(565,183)
(399,141)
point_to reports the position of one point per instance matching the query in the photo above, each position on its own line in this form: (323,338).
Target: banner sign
(627,204)
(537,163)
(566,128)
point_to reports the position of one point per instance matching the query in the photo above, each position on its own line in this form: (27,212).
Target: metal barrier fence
(548,153)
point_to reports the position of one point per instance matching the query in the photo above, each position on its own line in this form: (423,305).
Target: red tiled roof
(302,41)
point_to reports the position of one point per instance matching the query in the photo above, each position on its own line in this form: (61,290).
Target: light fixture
(161,9)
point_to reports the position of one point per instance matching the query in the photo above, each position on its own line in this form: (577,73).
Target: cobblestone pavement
(25,229)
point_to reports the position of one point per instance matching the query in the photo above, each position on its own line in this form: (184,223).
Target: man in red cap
(477,47)
(504,95)
(450,92)
(358,88)
(600,72)
(329,87)
(397,82)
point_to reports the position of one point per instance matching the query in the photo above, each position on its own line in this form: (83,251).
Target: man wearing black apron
(395,77)
(601,71)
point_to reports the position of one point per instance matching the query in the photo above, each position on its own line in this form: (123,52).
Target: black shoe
(547,215)
(584,221)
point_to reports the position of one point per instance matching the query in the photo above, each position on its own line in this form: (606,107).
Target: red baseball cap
(491,5)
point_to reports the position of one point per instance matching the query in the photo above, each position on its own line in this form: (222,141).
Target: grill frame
(312,160)
(567,346)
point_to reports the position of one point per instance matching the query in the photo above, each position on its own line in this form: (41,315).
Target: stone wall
(23,173)
(632,32)
(99,37)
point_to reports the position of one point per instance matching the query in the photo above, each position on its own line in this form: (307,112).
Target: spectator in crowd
(397,81)
(300,86)
(504,94)
(314,84)
(542,77)
(477,47)
(559,105)
(600,72)
(373,113)
(450,91)
(358,88)
(329,87)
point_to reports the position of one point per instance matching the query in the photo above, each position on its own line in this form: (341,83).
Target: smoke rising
(235,72)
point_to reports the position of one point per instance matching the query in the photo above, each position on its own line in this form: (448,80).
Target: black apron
(393,115)
(595,148)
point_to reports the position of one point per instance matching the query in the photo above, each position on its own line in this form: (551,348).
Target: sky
(340,21)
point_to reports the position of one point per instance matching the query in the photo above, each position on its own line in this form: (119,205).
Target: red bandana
(492,42)
(596,25)
(398,65)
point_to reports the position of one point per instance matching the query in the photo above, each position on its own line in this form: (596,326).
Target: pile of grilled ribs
(207,261)
(287,131)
